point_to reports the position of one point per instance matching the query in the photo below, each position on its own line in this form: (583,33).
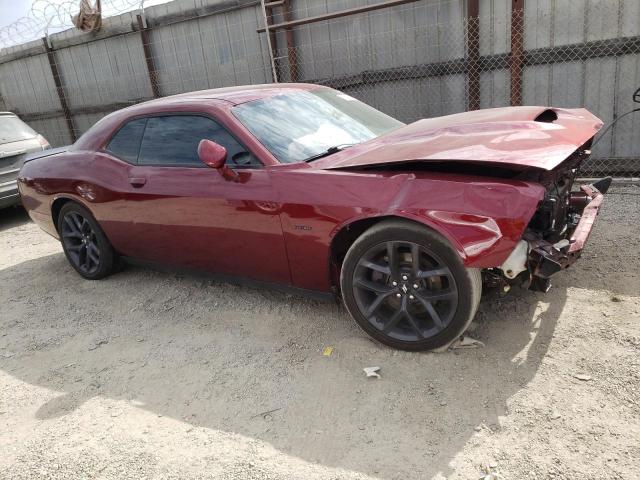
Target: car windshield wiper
(329,151)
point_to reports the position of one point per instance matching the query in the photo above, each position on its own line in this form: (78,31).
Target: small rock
(616,299)
(582,377)
(95,345)
(443,403)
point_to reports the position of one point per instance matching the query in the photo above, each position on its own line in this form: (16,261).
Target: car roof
(234,95)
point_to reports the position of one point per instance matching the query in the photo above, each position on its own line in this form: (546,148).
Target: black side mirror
(636,96)
(242,159)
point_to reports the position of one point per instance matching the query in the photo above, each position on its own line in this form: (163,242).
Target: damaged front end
(557,233)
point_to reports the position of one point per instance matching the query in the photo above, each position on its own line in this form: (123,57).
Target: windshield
(12,129)
(299,125)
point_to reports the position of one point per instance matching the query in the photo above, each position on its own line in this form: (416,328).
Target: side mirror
(212,154)
(636,96)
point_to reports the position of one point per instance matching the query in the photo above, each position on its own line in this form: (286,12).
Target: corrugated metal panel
(53,129)
(494,18)
(604,85)
(627,130)
(27,85)
(494,89)
(105,71)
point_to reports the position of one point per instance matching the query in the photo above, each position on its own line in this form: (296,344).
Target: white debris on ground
(372,371)
(466,341)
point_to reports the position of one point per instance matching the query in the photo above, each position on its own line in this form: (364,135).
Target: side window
(126,142)
(174,139)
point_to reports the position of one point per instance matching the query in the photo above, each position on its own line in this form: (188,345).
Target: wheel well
(55,210)
(347,235)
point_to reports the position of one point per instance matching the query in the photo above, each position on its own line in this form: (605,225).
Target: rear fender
(65,197)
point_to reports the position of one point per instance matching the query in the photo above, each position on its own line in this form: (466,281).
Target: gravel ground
(156,375)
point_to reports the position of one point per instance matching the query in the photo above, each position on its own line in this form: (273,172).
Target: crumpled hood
(519,137)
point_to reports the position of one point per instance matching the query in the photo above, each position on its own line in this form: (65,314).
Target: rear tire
(407,287)
(84,243)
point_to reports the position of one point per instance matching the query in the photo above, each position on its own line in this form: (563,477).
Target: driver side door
(188,214)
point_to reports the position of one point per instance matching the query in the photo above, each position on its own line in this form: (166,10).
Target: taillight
(43,142)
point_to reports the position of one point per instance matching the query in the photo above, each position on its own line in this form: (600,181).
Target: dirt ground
(155,375)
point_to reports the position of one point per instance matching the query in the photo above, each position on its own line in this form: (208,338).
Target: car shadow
(12,217)
(237,359)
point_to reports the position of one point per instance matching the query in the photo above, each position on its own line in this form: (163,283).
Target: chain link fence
(421,59)
(431,59)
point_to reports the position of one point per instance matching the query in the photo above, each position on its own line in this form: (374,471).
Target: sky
(11,10)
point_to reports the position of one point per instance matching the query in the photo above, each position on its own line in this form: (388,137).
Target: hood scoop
(547,116)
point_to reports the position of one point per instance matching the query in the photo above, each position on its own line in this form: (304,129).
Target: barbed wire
(55,15)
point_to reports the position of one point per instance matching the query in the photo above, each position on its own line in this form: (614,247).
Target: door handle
(137,182)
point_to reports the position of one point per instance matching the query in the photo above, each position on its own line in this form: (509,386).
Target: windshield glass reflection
(299,125)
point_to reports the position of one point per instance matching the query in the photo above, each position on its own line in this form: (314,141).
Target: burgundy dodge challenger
(305,186)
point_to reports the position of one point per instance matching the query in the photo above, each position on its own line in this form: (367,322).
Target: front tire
(407,287)
(84,243)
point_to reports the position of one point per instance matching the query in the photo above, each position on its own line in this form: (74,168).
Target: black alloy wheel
(80,242)
(84,243)
(405,291)
(407,287)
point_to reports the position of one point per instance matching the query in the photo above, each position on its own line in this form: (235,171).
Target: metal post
(473,54)
(291,48)
(270,41)
(58,83)
(517,44)
(146,47)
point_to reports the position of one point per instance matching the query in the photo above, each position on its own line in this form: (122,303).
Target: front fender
(482,220)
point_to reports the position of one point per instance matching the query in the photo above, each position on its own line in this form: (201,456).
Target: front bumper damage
(547,259)
(534,260)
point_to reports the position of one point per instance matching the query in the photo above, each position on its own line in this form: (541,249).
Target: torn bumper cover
(546,259)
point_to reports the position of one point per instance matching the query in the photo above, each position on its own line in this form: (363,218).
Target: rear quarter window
(125,144)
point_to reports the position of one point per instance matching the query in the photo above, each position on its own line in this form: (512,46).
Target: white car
(17,139)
